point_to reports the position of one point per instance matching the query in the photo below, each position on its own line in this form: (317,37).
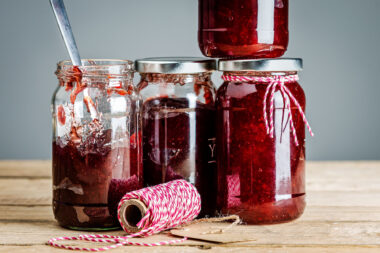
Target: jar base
(84,217)
(242,52)
(92,229)
(270,213)
(210,46)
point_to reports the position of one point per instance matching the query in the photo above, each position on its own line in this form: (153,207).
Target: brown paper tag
(213,232)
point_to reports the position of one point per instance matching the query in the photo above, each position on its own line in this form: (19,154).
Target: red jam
(179,143)
(242,28)
(61,115)
(89,180)
(259,178)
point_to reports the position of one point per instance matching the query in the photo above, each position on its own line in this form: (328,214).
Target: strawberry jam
(243,28)
(262,179)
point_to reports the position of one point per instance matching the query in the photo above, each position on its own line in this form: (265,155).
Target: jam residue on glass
(243,29)
(259,178)
(94,164)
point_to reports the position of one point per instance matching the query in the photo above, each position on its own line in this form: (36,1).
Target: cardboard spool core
(131,212)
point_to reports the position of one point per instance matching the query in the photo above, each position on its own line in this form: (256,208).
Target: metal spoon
(68,37)
(66,32)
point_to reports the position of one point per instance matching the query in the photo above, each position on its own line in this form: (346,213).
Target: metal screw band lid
(175,65)
(279,64)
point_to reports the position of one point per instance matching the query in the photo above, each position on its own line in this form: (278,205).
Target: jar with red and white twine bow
(261,140)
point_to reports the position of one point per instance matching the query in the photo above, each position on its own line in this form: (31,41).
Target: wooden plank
(307,233)
(19,191)
(321,176)
(345,198)
(35,233)
(341,213)
(343,176)
(342,169)
(292,234)
(212,249)
(312,213)
(316,233)
(25,169)
(347,170)
(26,213)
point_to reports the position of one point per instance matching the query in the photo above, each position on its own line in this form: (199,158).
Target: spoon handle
(66,32)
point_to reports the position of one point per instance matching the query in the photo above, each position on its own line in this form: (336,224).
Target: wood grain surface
(342,214)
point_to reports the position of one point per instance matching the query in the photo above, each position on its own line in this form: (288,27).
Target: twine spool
(130,213)
(146,212)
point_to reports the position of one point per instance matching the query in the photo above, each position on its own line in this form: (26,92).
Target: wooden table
(342,214)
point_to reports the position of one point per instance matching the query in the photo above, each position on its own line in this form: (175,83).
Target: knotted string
(275,83)
(168,205)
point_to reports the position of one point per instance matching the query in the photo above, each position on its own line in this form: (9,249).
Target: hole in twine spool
(131,212)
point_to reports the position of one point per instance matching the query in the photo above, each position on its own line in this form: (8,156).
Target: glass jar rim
(97,67)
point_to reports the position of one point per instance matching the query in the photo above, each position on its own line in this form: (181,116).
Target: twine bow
(276,82)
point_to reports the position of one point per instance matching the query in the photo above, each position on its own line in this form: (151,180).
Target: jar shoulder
(200,92)
(248,92)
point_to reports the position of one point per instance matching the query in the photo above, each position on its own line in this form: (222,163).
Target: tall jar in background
(178,116)
(97,153)
(243,28)
(261,140)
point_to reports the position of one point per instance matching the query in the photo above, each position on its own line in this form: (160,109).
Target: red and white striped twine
(273,83)
(168,205)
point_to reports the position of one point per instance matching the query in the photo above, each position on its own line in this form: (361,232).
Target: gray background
(338,39)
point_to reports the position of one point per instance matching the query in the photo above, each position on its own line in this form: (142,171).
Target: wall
(339,41)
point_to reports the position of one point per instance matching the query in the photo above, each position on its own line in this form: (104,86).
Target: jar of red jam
(178,116)
(97,151)
(261,140)
(243,28)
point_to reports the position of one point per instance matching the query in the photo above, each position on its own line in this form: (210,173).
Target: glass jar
(178,116)
(243,29)
(261,140)
(97,152)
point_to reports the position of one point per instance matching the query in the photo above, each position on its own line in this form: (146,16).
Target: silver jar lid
(175,65)
(280,64)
